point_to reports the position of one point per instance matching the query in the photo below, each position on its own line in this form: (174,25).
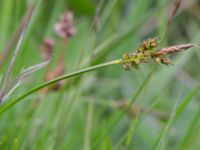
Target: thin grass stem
(73,74)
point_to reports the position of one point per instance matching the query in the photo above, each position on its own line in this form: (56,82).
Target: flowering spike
(174,49)
(148,50)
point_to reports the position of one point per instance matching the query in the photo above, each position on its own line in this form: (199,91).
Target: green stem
(76,73)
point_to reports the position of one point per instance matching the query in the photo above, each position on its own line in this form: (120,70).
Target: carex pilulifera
(149,50)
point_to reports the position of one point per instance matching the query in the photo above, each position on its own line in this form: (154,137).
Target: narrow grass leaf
(186,101)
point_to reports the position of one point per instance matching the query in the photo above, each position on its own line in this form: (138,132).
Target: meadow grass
(96,110)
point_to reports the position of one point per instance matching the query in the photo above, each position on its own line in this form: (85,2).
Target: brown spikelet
(173,12)
(174,49)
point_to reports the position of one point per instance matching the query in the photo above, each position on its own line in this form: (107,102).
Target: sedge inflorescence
(149,50)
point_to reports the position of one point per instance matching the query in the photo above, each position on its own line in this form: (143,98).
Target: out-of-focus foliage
(89,111)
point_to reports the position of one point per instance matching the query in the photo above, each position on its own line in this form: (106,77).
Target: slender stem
(76,73)
(15,37)
(18,47)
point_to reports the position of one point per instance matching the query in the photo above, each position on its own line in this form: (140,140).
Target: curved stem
(76,73)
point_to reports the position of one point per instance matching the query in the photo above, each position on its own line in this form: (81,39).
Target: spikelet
(174,49)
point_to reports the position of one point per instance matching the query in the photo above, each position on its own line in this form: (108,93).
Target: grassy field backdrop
(90,110)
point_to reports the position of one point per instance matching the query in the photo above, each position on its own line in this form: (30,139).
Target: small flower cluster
(65,27)
(144,52)
(148,44)
(148,50)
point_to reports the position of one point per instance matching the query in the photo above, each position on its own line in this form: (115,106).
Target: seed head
(65,27)
(148,50)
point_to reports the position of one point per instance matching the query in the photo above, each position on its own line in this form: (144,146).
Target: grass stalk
(73,74)
(18,47)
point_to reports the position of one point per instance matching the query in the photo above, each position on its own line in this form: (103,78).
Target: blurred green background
(88,111)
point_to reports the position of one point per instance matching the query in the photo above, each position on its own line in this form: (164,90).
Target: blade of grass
(132,100)
(185,102)
(105,143)
(161,143)
(6,21)
(21,38)
(105,16)
(138,119)
(14,38)
(13,102)
(189,133)
(88,126)
(127,137)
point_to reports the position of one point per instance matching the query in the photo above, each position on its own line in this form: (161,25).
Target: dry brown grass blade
(151,24)
(175,9)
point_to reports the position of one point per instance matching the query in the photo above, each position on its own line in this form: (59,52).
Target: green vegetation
(48,101)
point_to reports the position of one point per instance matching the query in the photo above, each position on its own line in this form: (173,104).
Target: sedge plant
(147,51)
